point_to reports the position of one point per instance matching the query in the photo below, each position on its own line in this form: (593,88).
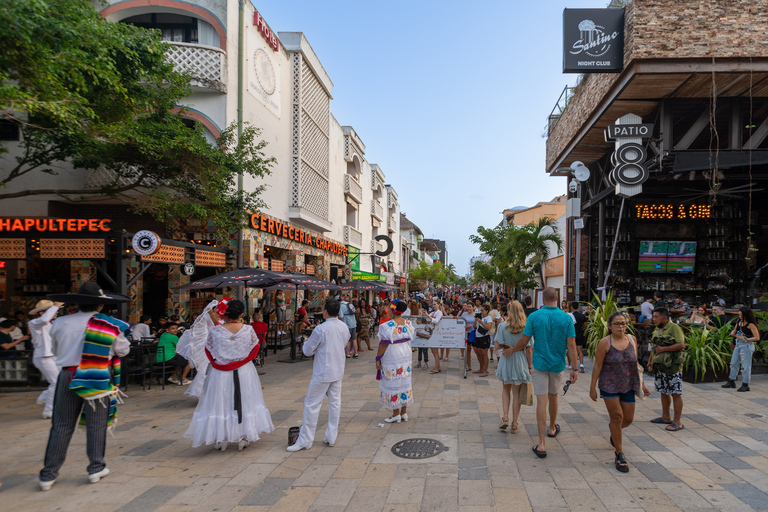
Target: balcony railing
(352,188)
(559,108)
(352,237)
(206,64)
(391,224)
(377,210)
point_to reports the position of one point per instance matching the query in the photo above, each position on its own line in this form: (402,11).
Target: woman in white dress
(191,346)
(393,363)
(231,408)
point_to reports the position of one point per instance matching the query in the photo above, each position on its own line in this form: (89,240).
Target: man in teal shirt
(553,333)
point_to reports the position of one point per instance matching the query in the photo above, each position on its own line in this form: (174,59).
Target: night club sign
(593,40)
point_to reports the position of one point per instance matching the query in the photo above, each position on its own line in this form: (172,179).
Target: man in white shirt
(646,309)
(327,343)
(141,330)
(42,358)
(67,341)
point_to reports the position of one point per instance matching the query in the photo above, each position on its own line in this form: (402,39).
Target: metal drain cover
(418,448)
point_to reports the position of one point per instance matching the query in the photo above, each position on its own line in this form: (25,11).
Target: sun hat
(42,306)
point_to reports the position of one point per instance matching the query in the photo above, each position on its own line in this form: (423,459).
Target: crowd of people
(534,349)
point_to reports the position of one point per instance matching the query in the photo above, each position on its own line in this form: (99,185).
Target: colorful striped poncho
(92,380)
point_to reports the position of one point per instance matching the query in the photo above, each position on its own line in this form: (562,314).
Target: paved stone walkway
(718,461)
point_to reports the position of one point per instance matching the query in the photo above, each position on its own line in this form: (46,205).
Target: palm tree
(531,244)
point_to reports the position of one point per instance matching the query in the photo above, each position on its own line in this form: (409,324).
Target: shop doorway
(156,291)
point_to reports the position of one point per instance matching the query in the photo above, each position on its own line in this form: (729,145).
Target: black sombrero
(89,293)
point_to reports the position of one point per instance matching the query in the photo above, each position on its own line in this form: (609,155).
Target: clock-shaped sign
(145,242)
(265,72)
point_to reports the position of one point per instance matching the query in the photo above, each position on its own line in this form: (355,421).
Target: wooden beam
(694,131)
(758,136)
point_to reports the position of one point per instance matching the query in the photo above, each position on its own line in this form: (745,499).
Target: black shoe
(621,463)
(729,384)
(744,387)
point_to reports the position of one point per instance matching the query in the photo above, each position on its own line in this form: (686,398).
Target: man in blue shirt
(553,333)
(347,314)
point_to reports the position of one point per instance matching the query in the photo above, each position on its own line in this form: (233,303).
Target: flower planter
(709,376)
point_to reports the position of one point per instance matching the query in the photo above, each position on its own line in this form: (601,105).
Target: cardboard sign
(449,332)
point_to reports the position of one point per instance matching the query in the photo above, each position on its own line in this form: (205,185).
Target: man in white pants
(327,343)
(43,358)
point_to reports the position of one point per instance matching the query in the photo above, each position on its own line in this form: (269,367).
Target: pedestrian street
(718,462)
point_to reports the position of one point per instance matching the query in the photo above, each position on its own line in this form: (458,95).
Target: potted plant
(707,353)
(597,328)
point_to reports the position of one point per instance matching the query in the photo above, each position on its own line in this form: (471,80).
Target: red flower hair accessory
(221,309)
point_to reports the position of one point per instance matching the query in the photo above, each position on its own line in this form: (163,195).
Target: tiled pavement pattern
(718,462)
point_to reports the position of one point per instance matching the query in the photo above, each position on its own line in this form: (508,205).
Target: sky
(450,99)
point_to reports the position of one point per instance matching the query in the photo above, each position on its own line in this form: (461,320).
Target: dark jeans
(425,352)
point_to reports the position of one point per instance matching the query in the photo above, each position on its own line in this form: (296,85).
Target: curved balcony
(207,65)
(352,237)
(353,189)
(377,210)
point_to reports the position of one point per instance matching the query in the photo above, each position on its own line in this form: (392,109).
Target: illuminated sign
(71,225)
(275,227)
(672,211)
(262,27)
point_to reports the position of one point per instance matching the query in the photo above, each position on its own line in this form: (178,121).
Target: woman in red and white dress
(231,408)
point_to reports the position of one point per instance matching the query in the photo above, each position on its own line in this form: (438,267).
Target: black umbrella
(363,285)
(243,276)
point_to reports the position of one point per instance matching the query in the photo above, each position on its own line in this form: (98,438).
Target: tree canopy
(104,97)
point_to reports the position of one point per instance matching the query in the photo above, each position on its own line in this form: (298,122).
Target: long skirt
(395,383)
(216,420)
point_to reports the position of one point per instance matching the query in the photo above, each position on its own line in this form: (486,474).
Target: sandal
(674,427)
(621,463)
(483,374)
(514,429)
(659,420)
(504,424)
(539,454)
(557,431)
(435,371)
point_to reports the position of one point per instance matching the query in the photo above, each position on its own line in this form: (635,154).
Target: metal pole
(600,242)
(577,234)
(240,57)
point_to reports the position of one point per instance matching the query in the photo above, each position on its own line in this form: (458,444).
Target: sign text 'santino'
(72,225)
(286,230)
(262,27)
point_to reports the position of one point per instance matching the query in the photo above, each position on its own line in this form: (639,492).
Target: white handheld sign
(448,333)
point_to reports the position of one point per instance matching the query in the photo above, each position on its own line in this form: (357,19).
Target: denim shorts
(626,398)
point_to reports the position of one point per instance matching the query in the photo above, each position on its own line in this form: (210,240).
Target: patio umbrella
(243,276)
(363,285)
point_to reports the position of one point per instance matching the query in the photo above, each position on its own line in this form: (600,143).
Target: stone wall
(669,29)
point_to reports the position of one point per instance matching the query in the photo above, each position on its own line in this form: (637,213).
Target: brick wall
(670,29)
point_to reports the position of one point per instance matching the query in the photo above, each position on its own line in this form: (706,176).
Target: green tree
(433,274)
(101,96)
(505,267)
(530,244)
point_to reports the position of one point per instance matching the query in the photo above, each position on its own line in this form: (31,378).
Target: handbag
(641,371)
(525,394)
(471,336)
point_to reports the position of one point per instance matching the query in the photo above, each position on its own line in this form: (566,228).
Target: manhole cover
(753,415)
(420,448)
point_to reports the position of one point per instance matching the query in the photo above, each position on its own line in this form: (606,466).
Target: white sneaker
(186,382)
(393,419)
(46,486)
(95,477)
(581,369)
(325,441)
(47,415)
(173,380)
(568,367)
(404,416)
(296,447)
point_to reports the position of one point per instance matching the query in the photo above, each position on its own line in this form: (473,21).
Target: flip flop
(557,431)
(539,454)
(661,421)
(673,427)
(477,371)
(435,371)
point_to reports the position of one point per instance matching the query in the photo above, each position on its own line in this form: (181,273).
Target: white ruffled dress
(215,420)
(395,383)
(191,346)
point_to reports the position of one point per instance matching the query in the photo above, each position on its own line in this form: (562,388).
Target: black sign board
(628,131)
(593,40)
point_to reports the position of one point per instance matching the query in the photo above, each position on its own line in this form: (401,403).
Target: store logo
(145,242)
(262,27)
(593,40)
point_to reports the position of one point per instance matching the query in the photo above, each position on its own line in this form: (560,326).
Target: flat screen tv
(667,256)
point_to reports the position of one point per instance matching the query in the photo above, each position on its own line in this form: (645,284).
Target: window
(9,130)
(173,28)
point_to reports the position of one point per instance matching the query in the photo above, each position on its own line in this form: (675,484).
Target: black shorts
(482,342)
(581,341)
(176,360)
